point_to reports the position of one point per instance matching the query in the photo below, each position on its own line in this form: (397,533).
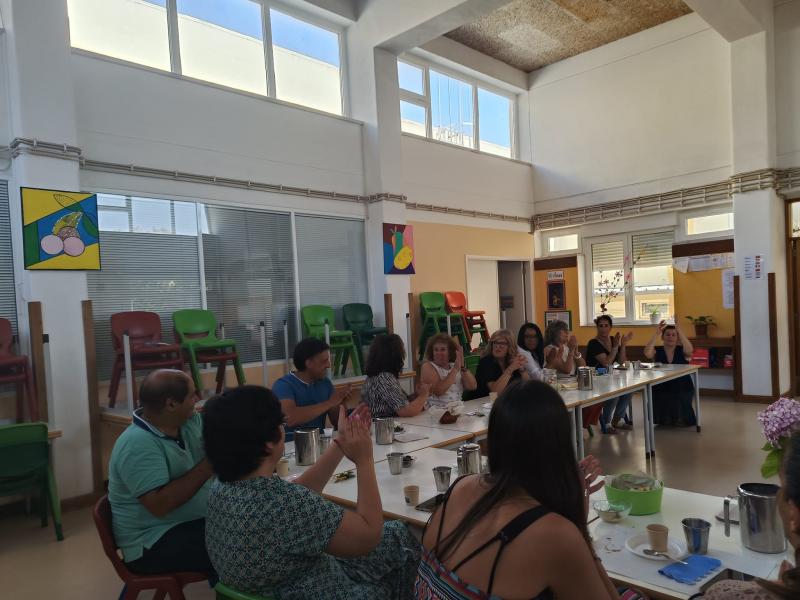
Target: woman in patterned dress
(268,536)
(382,391)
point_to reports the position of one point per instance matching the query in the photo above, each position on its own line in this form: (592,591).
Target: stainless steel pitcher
(384,430)
(306,445)
(585,378)
(759,523)
(468,457)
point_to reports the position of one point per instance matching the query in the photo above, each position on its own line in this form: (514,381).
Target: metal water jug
(585,378)
(306,445)
(759,523)
(468,457)
(384,430)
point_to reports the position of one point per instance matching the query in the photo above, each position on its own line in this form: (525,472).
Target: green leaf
(768,447)
(772,463)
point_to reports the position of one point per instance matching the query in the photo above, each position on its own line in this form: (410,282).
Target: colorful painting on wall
(398,249)
(60,230)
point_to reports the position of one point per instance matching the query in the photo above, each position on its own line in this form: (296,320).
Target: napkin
(698,567)
(409,437)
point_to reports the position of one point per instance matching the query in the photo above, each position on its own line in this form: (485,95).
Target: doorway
(793,284)
(501,287)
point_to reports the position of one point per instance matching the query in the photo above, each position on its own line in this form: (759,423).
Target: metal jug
(306,445)
(384,430)
(585,378)
(759,523)
(468,457)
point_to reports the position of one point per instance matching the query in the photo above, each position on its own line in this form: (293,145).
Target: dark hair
(386,355)
(604,317)
(789,585)
(236,426)
(538,353)
(530,448)
(307,349)
(552,330)
(162,385)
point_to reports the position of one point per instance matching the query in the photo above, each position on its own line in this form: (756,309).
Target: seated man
(306,394)
(158,480)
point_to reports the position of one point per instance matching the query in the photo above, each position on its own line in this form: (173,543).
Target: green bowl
(642,503)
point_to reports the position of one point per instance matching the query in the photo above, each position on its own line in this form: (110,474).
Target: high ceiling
(529,34)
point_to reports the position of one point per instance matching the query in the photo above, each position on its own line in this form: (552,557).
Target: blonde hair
(440,338)
(508,337)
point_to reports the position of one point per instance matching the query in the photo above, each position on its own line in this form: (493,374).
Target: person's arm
(359,531)
(468,381)
(317,476)
(622,354)
(500,384)
(162,501)
(298,415)
(684,341)
(607,358)
(438,385)
(415,404)
(555,360)
(650,348)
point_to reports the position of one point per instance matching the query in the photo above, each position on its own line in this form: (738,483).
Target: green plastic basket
(642,503)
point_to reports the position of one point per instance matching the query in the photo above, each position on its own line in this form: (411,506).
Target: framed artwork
(558,315)
(398,249)
(556,295)
(59,230)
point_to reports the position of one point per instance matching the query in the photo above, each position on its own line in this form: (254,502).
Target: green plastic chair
(358,319)
(342,342)
(471,362)
(434,320)
(196,332)
(226,593)
(25,466)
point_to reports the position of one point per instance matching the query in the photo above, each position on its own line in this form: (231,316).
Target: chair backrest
(141,325)
(6,337)
(194,323)
(431,302)
(24,448)
(357,316)
(471,362)
(456,301)
(102,520)
(313,318)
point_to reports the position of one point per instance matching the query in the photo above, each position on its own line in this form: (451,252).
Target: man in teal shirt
(158,480)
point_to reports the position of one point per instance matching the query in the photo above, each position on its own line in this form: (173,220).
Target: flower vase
(655,318)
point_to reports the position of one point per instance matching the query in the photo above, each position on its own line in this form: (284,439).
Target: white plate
(639,542)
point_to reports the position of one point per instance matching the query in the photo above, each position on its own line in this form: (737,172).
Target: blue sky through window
(493,118)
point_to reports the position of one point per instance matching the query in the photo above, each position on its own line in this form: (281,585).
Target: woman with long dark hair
(382,391)
(788,587)
(530,344)
(536,494)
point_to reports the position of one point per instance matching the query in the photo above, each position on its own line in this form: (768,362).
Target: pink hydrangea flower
(780,419)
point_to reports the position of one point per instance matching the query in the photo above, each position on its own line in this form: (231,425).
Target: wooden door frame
(792,282)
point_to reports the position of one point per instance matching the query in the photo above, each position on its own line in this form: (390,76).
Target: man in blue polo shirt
(307,396)
(158,480)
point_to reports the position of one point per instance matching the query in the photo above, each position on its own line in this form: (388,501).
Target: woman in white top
(530,344)
(445,372)
(561,352)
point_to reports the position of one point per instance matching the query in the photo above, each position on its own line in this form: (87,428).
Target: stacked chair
(473,320)
(15,368)
(436,318)
(358,318)
(342,341)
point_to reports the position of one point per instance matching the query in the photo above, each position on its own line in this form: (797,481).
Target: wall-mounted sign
(555,276)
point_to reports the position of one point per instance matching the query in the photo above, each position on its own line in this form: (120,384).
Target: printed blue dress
(267,536)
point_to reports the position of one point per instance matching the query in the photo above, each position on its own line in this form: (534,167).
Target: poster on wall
(727,288)
(556,295)
(558,315)
(398,249)
(59,230)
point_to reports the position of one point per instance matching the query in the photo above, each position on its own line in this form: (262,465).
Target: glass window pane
(134,30)
(410,78)
(652,275)
(306,63)
(796,219)
(494,125)
(185,218)
(111,200)
(709,224)
(608,279)
(223,42)
(562,243)
(151,216)
(451,110)
(113,220)
(412,118)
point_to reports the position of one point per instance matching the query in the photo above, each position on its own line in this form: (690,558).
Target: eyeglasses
(499,343)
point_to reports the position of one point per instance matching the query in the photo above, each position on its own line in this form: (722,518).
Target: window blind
(141,271)
(608,256)
(332,263)
(8,297)
(249,271)
(653,249)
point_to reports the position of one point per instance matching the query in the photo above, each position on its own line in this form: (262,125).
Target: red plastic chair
(147,349)
(15,368)
(165,583)
(474,321)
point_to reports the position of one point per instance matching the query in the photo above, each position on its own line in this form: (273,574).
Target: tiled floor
(34,566)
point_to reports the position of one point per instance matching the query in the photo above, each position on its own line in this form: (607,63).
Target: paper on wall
(727,288)
(700,263)
(681,264)
(754,266)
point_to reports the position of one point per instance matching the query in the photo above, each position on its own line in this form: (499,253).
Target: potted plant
(701,325)
(655,316)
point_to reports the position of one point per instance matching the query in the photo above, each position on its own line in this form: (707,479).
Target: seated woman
(500,364)
(672,401)
(530,344)
(268,536)
(603,351)
(519,532)
(444,371)
(788,587)
(382,391)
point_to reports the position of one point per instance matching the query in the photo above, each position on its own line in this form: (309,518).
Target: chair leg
(174,590)
(337,361)
(160,595)
(30,394)
(237,366)
(20,394)
(55,503)
(113,387)
(198,383)
(221,375)
(44,497)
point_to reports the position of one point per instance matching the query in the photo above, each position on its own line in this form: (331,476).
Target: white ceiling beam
(734,19)
(343,8)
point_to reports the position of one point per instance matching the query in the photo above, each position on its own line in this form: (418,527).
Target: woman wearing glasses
(500,364)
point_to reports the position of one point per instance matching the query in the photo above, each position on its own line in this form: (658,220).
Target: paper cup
(282,467)
(411,492)
(658,535)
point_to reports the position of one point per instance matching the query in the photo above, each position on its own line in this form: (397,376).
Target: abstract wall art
(398,249)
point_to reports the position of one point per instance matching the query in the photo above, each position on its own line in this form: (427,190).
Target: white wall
(648,113)
(787,82)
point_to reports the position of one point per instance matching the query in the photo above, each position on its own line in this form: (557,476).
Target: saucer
(639,542)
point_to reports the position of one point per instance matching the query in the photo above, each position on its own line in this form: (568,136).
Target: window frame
(425,101)
(683,230)
(627,250)
(557,233)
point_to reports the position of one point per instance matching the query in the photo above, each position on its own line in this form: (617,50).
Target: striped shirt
(383,394)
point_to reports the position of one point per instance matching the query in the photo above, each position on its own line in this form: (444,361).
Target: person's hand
(785,566)
(661,326)
(362,413)
(341,394)
(589,470)
(573,343)
(353,437)
(615,340)
(627,338)
(459,363)
(423,390)
(521,361)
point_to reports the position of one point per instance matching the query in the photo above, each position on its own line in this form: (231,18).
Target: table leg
(646,424)
(651,421)
(579,431)
(696,382)
(572,427)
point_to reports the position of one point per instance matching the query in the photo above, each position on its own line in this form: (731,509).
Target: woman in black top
(603,351)
(672,401)
(500,364)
